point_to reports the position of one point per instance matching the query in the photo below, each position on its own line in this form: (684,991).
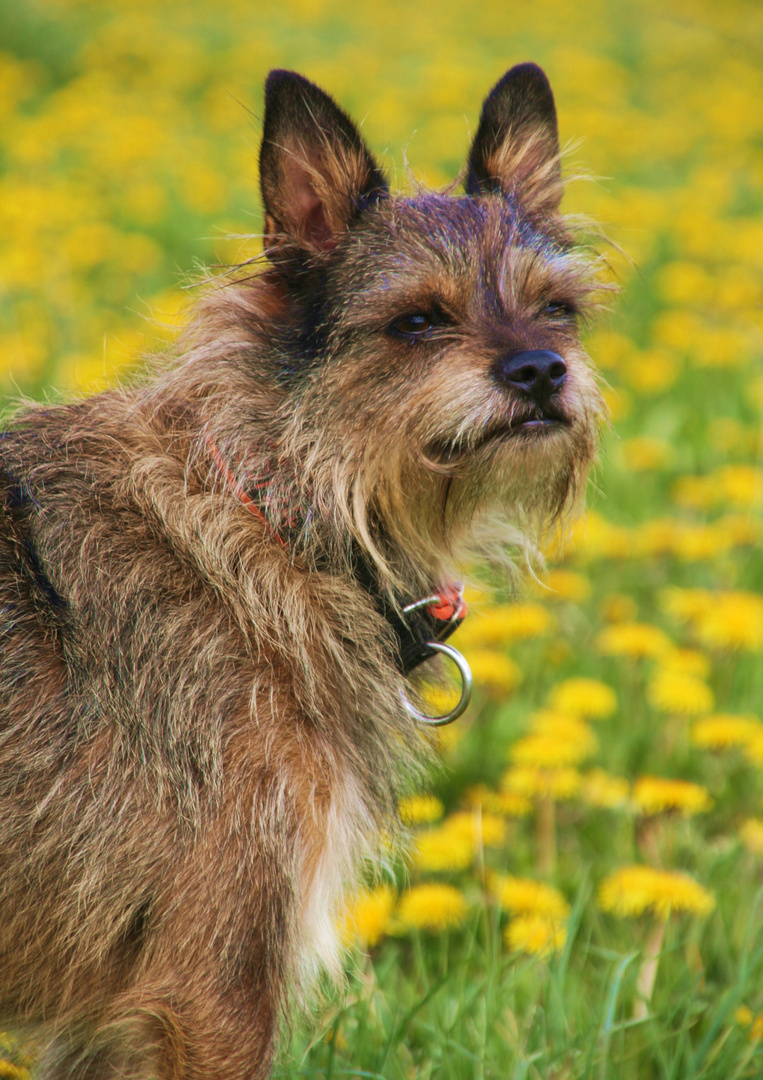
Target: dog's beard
(496,500)
(506,495)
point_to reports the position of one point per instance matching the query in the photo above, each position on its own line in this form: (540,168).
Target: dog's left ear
(316,173)
(516,148)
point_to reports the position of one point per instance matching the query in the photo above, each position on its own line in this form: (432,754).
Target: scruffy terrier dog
(204,723)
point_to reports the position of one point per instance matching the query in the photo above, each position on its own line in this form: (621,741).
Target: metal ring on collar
(466,688)
(426,601)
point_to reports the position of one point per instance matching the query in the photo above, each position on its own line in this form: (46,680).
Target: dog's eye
(414,325)
(559,309)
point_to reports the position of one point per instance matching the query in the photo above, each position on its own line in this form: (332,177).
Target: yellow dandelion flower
(507,622)
(599,788)
(437,698)
(500,803)
(420,809)
(367,916)
(739,485)
(532,782)
(734,621)
(693,543)
(751,835)
(744,1016)
(658,794)
(9,1071)
(441,849)
(721,347)
(510,804)
(753,748)
(555,738)
(683,282)
(564,747)
(558,723)
(741,529)
(487,829)
(431,906)
(599,538)
(686,662)
(537,935)
(680,694)
(725,730)
(16,1058)
(655,537)
(610,348)
(634,890)
(492,829)
(738,289)
(686,605)
(584,697)
(652,371)
(565,585)
(675,328)
(493,669)
(721,619)
(644,453)
(524,896)
(453,844)
(633,639)
(727,435)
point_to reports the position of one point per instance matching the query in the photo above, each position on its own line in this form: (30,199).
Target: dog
(215,585)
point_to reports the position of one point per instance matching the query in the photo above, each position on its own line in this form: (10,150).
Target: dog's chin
(525,433)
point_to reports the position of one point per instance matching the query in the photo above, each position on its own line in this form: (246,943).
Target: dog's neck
(414,623)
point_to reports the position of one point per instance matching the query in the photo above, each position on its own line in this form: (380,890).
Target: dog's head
(437,394)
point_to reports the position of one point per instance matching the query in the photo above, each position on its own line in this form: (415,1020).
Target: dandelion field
(584,892)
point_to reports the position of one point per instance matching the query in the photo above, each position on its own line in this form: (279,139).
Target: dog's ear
(516,148)
(316,173)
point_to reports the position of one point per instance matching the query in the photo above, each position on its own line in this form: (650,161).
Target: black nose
(539,373)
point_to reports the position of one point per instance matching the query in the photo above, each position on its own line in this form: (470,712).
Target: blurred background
(600,806)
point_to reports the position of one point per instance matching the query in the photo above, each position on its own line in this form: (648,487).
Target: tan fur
(202,727)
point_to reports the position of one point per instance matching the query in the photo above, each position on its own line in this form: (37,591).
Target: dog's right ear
(316,173)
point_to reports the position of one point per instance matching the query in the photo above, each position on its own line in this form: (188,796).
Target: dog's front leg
(203,998)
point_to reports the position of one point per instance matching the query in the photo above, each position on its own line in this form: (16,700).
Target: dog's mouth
(527,428)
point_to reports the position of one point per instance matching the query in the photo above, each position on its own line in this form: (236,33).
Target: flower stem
(648,971)
(545,835)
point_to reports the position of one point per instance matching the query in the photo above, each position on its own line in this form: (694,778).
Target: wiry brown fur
(202,732)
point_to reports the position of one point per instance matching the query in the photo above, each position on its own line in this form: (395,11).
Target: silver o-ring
(466,688)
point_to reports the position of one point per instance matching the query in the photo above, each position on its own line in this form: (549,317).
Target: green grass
(463,1009)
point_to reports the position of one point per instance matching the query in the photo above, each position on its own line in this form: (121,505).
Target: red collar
(238,490)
